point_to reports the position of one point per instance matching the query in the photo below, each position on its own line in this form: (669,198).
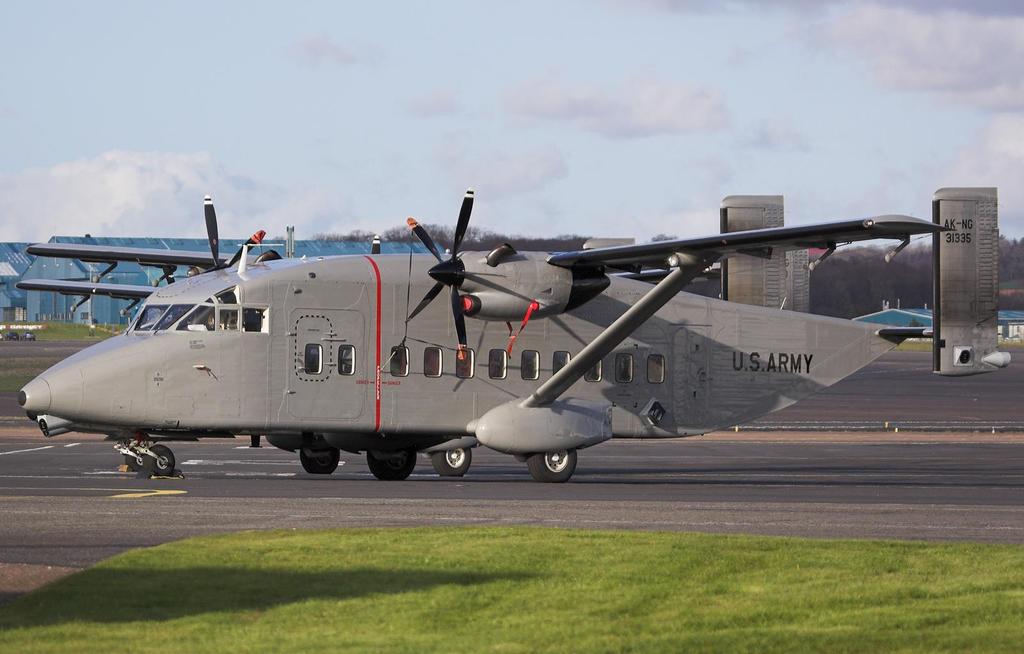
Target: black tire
(162,461)
(452,463)
(323,462)
(132,463)
(552,467)
(396,467)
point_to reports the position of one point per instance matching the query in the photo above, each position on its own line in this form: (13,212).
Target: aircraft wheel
(452,463)
(162,461)
(552,467)
(394,467)
(132,463)
(322,462)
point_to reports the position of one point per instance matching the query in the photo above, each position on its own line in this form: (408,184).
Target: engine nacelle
(564,425)
(54,426)
(504,290)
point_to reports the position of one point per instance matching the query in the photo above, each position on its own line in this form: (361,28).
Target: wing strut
(687,267)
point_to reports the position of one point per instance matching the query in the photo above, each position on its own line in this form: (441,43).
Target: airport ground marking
(34,449)
(148,493)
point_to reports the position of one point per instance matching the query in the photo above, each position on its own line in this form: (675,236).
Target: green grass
(15,372)
(529,590)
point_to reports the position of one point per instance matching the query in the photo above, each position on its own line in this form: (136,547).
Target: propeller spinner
(448,272)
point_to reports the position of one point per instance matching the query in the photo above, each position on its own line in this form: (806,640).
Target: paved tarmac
(63,504)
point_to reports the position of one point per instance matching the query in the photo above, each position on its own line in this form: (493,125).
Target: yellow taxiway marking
(148,493)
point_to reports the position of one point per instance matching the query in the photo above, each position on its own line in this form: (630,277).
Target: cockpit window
(227,319)
(228,297)
(149,317)
(176,311)
(202,319)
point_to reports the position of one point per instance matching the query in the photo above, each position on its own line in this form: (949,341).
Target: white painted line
(34,449)
(72,444)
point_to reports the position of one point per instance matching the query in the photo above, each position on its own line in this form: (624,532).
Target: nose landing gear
(143,456)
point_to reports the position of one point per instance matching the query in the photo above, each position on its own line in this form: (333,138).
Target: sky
(603,117)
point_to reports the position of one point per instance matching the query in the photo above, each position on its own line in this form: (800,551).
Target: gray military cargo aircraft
(532,354)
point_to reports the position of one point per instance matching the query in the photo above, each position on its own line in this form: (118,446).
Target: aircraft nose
(35,397)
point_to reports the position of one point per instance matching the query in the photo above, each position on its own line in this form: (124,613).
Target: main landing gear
(140,454)
(320,462)
(452,463)
(391,466)
(552,467)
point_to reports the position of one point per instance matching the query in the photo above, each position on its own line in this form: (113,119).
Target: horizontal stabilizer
(85,289)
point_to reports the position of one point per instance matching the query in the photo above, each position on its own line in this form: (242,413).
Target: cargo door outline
(691,375)
(329,395)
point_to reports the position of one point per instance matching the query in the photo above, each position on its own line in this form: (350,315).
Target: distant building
(1011,323)
(38,306)
(13,264)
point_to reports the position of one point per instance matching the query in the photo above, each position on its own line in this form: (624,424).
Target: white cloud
(317,50)
(440,102)
(122,193)
(974,59)
(996,159)
(500,174)
(777,136)
(637,108)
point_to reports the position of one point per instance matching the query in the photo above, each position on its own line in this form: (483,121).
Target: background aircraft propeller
(448,272)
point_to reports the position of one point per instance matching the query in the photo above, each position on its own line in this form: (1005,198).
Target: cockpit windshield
(149,317)
(176,311)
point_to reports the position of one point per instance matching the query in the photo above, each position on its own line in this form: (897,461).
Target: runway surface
(63,504)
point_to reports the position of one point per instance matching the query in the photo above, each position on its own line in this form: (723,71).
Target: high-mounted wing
(119,291)
(107,254)
(757,242)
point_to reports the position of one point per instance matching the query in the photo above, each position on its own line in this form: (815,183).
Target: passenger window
(594,374)
(400,361)
(464,366)
(497,364)
(253,319)
(623,368)
(558,360)
(432,362)
(655,368)
(149,317)
(529,364)
(176,311)
(227,319)
(202,319)
(313,359)
(347,360)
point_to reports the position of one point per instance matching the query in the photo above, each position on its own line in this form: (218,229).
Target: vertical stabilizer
(966,281)
(780,280)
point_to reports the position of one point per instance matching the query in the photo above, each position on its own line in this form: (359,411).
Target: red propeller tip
(411,222)
(258,236)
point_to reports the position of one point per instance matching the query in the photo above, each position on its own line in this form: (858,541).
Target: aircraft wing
(119,291)
(756,242)
(106,254)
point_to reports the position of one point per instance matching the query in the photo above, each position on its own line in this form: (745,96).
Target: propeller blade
(424,237)
(255,239)
(211,229)
(427,299)
(460,320)
(463,224)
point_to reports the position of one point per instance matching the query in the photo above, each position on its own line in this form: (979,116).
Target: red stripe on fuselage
(376,376)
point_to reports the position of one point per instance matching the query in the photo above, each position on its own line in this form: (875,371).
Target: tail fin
(780,280)
(966,282)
